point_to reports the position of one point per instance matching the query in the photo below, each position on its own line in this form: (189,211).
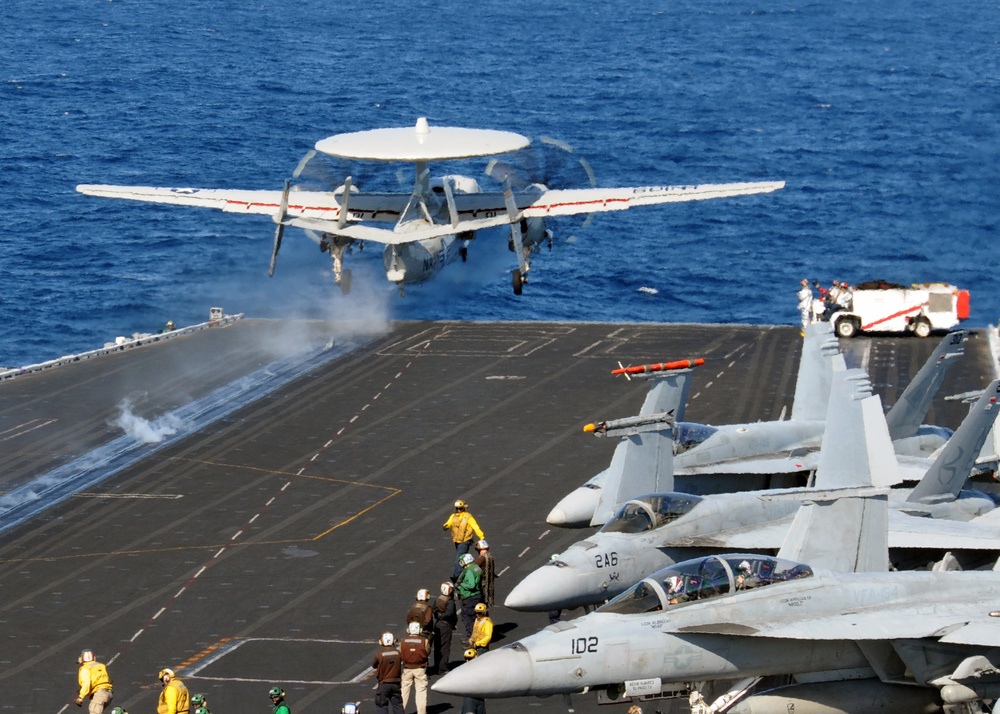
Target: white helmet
(465,560)
(482,545)
(744,566)
(423,594)
(387,639)
(413,628)
(446,588)
(674,584)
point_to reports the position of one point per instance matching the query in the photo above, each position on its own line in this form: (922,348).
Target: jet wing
(907,531)
(568,202)
(749,539)
(946,621)
(769,465)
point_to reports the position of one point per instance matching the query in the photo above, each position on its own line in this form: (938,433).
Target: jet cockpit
(690,434)
(704,578)
(650,511)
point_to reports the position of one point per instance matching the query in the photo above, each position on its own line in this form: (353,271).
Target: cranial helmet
(461,505)
(446,588)
(744,566)
(86,656)
(423,594)
(466,559)
(165,672)
(198,699)
(481,608)
(470,654)
(413,628)
(201,710)
(482,545)
(276,692)
(387,639)
(118,710)
(674,584)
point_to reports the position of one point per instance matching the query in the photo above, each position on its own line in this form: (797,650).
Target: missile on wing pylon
(632,425)
(661,367)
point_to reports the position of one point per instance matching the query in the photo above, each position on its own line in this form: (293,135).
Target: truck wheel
(846,327)
(921,328)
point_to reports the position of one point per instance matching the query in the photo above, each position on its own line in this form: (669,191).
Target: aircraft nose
(575,509)
(550,587)
(502,673)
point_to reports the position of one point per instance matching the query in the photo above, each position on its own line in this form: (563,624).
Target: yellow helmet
(461,505)
(481,608)
(470,654)
(165,672)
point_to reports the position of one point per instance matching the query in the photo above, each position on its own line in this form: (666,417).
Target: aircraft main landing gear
(518,281)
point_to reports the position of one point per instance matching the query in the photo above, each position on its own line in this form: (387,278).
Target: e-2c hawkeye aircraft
(652,531)
(779,448)
(824,613)
(433,223)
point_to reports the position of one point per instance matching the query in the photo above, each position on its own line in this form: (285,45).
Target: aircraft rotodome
(433,223)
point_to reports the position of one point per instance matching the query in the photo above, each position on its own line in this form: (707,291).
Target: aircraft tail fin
(642,463)
(821,357)
(946,477)
(669,394)
(906,415)
(844,532)
(857,450)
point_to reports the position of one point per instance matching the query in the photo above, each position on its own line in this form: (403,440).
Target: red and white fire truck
(878,306)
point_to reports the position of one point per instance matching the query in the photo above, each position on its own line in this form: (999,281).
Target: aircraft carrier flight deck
(276,529)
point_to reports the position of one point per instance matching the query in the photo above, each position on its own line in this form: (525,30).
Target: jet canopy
(704,578)
(690,434)
(651,511)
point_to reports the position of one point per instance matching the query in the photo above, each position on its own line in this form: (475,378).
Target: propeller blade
(279,232)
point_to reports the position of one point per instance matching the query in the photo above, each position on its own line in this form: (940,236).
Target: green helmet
(198,700)
(276,692)
(201,710)
(118,710)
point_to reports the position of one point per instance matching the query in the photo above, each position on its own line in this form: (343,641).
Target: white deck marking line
(159,612)
(365,674)
(696,395)
(110,661)
(341,430)
(269,502)
(136,636)
(587,349)
(709,384)
(544,534)
(376,396)
(388,385)
(218,554)
(180,592)
(238,534)
(720,374)
(286,485)
(24,431)
(66,705)
(299,472)
(327,444)
(353,419)
(253,519)
(399,374)
(521,554)
(732,363)
(202,569)
(503,571)
(315,456)
(365,407)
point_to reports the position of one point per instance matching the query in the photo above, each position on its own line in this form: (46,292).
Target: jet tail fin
(909,411)
(844,532)
(644,463)
(821,357)
(950,470)
(857,450)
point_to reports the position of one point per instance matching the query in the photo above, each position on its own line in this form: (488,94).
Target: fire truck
(922,308)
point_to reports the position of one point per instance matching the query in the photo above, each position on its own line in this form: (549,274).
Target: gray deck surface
(274,546)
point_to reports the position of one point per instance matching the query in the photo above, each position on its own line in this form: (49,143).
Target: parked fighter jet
(433,223)
(823,610)
(653,531)
(776,447)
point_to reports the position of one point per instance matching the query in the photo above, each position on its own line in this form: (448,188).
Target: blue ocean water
(882,117)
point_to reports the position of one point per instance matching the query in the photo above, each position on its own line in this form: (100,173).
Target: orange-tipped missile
(661,367)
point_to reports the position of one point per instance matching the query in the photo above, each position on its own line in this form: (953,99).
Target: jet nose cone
(576,509)
(550,587)
(502,673)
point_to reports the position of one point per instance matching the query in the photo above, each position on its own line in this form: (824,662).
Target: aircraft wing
(749,539)
(764,465)
(907,531)
(967,623)
(568,202)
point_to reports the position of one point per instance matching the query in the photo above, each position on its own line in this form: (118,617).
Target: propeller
(280,217)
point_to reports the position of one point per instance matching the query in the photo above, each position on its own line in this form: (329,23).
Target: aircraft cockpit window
(690,435)
(714,576)
(671,506)
(642,597)
(633,517)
